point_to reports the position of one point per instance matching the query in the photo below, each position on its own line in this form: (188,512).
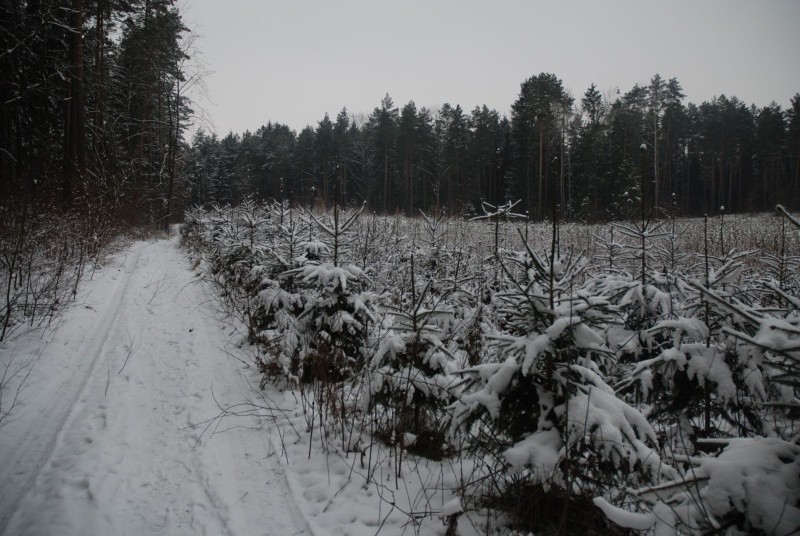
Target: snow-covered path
(106,440)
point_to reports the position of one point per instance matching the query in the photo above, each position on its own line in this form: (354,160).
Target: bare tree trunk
(561,169)
(764,185)
(656,192)
(797,177)
(730,188)
(385,173)
(344,184)
(776,178)
(97,123)
(410,181)
(325,180)
(145,120)
(74,131)
(528,179)
(712,191)
(174,136)
(541,156)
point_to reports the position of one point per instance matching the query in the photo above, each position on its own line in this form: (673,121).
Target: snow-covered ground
(140,414)
(110,434)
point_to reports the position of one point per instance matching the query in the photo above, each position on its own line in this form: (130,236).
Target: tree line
(597,157)
(93,105)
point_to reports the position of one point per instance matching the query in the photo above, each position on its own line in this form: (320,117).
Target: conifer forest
(580,315)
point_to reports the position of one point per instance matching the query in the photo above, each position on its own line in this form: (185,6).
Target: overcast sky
(292,61)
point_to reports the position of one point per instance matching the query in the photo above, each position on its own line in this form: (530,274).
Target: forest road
(115,433)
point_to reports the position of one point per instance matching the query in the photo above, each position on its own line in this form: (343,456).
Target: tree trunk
(410,178)
(344,184)
(764,184)
(74,131)
(385,173)
(562,201)
(174,135)
(99,47)
(541,156)
(797,177)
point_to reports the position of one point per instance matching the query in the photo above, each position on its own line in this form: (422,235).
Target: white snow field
(108,438)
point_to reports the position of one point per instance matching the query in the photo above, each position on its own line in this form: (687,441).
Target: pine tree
(382,128)
(536,133)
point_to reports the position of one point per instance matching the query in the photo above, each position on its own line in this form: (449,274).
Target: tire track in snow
(133,459)
(17,476)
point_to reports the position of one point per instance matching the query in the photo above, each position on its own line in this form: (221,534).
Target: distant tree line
(592,158)
(93,109)
(92,105)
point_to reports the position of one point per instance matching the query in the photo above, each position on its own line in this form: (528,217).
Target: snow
(500,377)
(539,450)
(709,363)
(623,518)
(141,417)
(328,274)
(691,327)
(115,432)
(598,417)
(778,334)
(755,478)
(759,476)
(474,342)
(452,507)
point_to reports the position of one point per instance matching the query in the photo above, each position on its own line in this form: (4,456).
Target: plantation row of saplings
(641,376)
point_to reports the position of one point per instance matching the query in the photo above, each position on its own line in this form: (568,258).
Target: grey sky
(292,61)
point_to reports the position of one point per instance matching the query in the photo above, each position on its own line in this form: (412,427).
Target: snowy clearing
(141,412)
